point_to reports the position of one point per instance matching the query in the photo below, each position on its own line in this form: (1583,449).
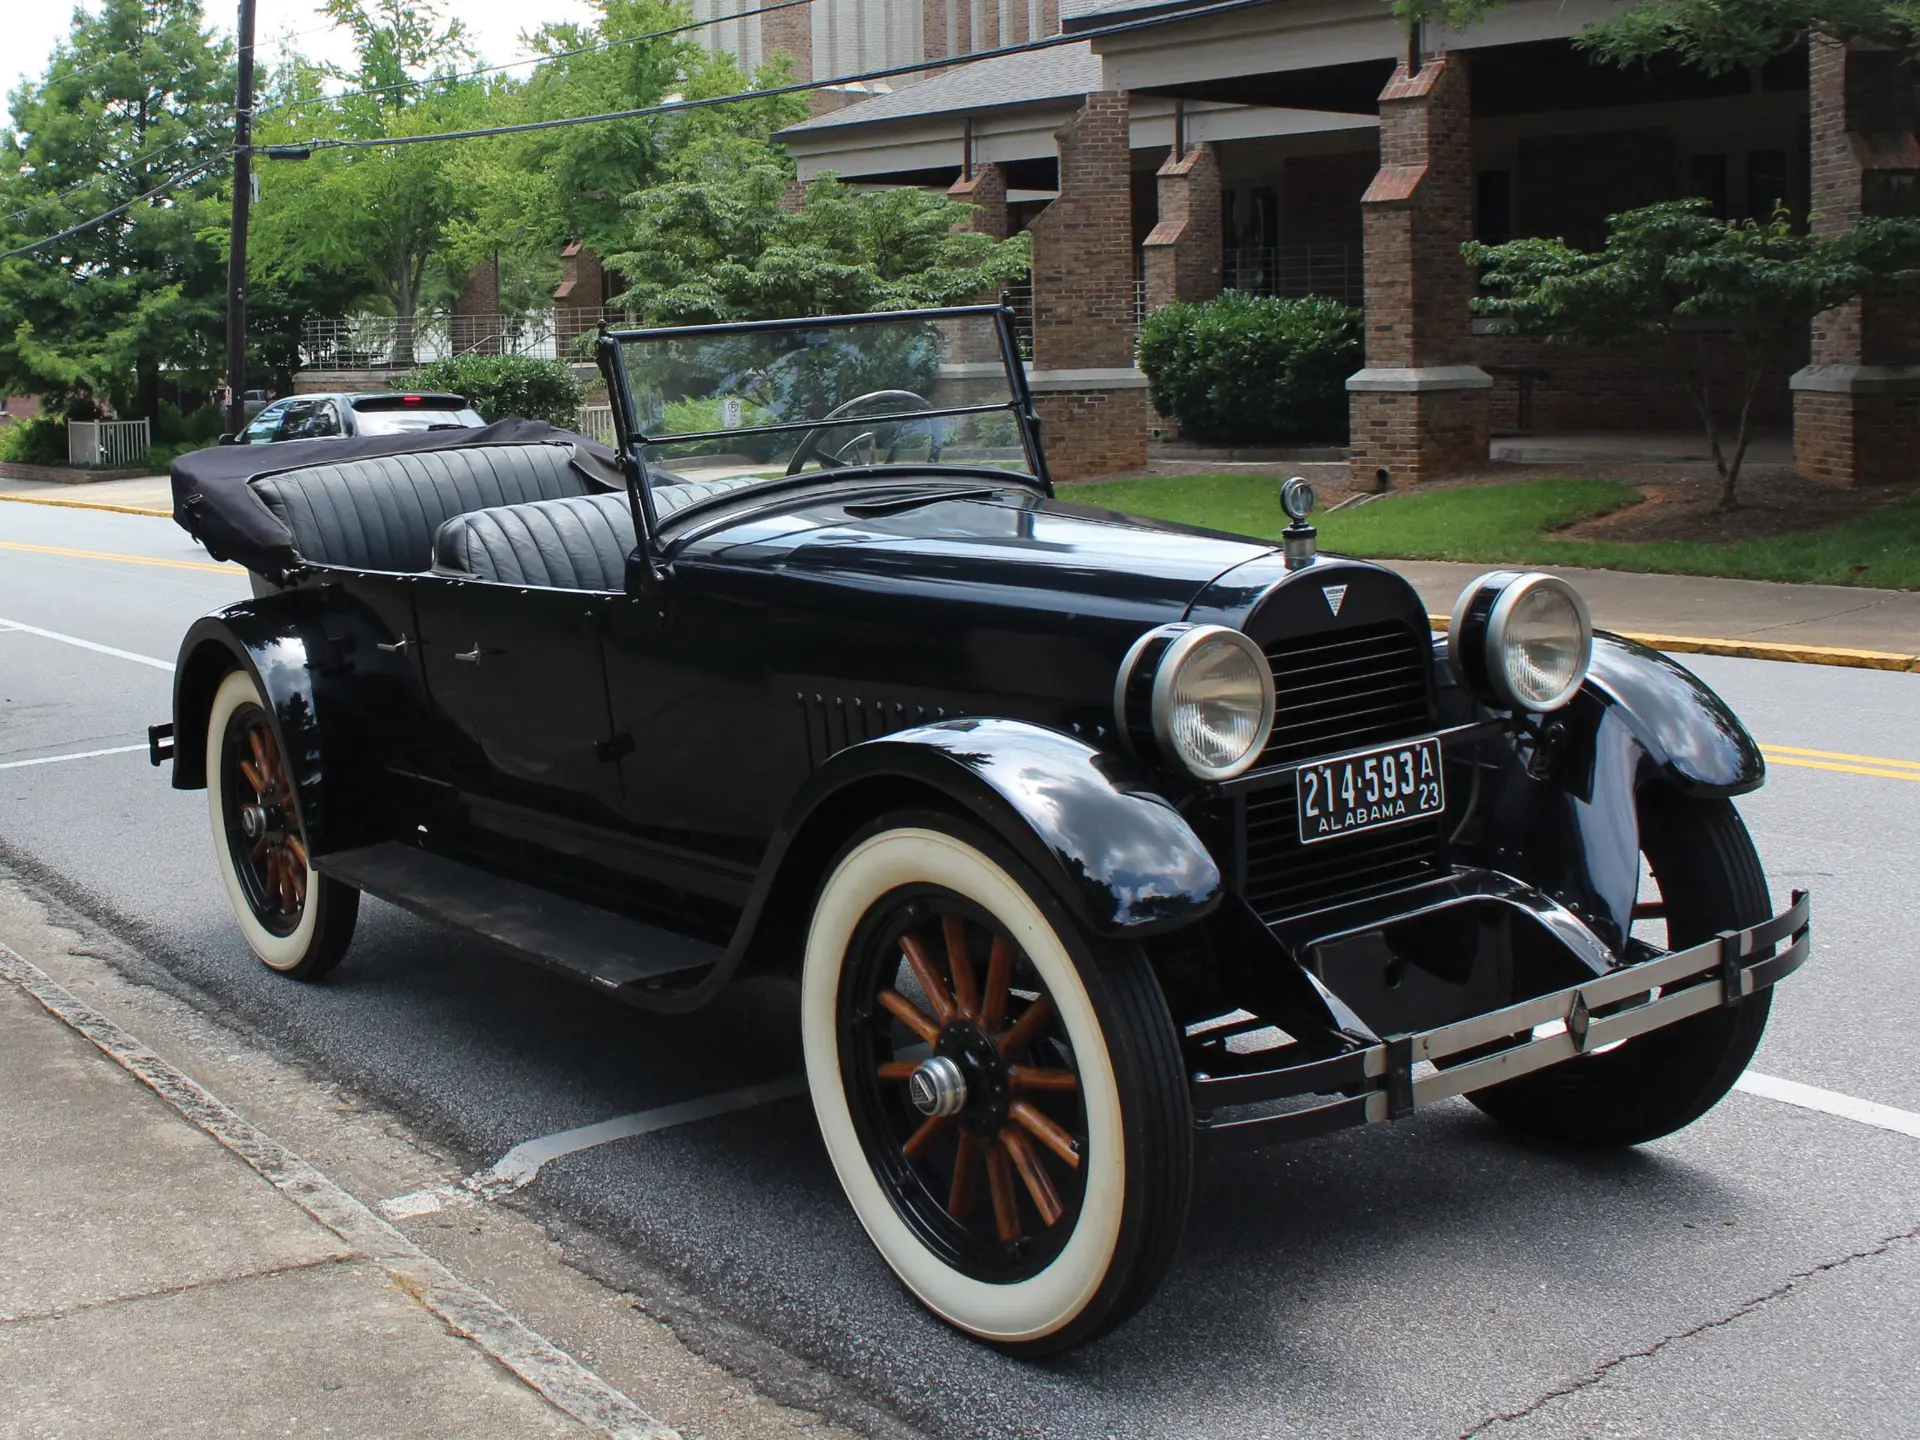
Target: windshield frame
(631,440)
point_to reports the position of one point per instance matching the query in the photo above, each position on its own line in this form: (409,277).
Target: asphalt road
(1753,1275)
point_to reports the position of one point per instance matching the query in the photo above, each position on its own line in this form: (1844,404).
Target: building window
(1493,207)
(1766,182)
(1707,180)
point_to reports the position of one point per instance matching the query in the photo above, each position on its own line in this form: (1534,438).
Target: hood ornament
(1299,538)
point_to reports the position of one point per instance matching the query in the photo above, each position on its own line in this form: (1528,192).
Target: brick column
(476,311)
(580,298)
(987,193)
(1092,399)
(935,44)
(1183,249)
(1421,408)
(790,33)
(1856,406)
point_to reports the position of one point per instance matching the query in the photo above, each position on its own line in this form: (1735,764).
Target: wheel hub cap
(937,1087)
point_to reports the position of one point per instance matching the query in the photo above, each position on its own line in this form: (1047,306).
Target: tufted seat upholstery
(382,513)
(575,544)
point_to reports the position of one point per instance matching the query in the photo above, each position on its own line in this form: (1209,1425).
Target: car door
(265,426)
(519,697)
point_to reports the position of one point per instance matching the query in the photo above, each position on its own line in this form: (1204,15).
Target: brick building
(1297,147)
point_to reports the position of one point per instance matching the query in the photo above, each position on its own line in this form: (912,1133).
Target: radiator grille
(1342,691)
(1347,690)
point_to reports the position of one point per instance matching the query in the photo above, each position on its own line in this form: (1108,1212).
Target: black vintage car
(1088,839)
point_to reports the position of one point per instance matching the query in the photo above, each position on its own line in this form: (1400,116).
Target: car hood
(1007,546)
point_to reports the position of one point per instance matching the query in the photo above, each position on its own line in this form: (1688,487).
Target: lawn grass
(1513,524)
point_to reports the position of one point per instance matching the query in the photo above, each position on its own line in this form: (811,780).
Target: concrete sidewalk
(156,1285)
(1757,611)
(150,493)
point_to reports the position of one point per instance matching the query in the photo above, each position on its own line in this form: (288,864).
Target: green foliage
(1677,282)
(202,427)
(1244,368)
(1717,36)
(39,441)
(713,242)
(503,386)
(137,95)
(1523,524)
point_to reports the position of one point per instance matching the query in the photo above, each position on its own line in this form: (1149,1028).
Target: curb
(1760,650)
(88,505)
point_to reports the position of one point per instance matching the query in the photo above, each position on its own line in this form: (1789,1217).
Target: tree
(136,97)
(715,242)
(1717,36)
(1675,280)
(377,215)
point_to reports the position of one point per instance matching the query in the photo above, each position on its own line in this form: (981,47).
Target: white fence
(595,422)
(386,342)
(111,444)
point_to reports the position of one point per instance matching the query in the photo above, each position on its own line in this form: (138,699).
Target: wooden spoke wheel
(296,920)
(1001,1094)
(967,1093)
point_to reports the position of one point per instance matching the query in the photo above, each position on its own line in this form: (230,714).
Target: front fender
(1118,854)
(1688,732)
(1571,827)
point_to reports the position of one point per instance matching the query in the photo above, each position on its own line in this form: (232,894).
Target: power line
(85,225)
(79,185)
(1052,42)
(543,59)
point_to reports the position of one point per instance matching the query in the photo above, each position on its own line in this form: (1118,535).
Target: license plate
(1369,790)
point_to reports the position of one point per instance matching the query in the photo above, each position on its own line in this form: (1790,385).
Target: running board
(608,951)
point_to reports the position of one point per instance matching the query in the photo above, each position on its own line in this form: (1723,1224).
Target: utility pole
(242,206)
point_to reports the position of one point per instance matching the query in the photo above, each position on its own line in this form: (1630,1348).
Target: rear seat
(382,513)
(577,544)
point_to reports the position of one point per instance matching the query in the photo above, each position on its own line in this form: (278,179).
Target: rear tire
(1710,880)
(294,919)
(1031,1234)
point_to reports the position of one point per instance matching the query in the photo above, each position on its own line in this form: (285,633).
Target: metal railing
(595,422)
(389,342)
(1294,271)
(111,444)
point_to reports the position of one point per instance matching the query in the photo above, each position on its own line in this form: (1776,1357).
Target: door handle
(398,647)
(472,657)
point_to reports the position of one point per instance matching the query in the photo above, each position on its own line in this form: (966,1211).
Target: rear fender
(283,643)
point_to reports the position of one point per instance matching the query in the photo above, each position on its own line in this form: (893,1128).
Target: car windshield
(767,400)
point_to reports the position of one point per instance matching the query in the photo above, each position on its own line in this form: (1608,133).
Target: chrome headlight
(1521,641)
(1199,695)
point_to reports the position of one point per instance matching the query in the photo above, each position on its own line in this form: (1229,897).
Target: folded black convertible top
(213,500)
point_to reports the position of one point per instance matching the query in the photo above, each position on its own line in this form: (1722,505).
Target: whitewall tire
(932,946)
(296,920)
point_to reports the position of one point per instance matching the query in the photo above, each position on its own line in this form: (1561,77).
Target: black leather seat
(382,513)
(577,544)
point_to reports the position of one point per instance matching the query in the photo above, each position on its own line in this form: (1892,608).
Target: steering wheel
(811,441)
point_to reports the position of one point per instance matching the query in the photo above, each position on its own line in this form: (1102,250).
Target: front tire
(296,920)
(1044,1206)
(1710,880)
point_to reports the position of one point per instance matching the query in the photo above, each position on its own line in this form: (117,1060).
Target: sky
(494,26)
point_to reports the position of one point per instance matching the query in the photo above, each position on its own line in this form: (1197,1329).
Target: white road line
(1830,1102)
(518,1168)
(93,645)
(556,1375)
(76,755)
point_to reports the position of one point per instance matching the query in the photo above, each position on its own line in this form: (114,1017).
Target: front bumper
(1377,1083)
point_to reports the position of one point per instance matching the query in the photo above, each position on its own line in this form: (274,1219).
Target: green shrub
(189,432)
(1240,368)
(39,441)
(506,386)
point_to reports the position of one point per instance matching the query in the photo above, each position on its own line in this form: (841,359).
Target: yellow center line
(1836,760)
(123,559)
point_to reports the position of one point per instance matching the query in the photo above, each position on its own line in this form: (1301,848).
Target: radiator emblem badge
(1336,595)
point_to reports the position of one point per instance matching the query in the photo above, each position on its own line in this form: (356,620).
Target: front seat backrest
(382,513)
